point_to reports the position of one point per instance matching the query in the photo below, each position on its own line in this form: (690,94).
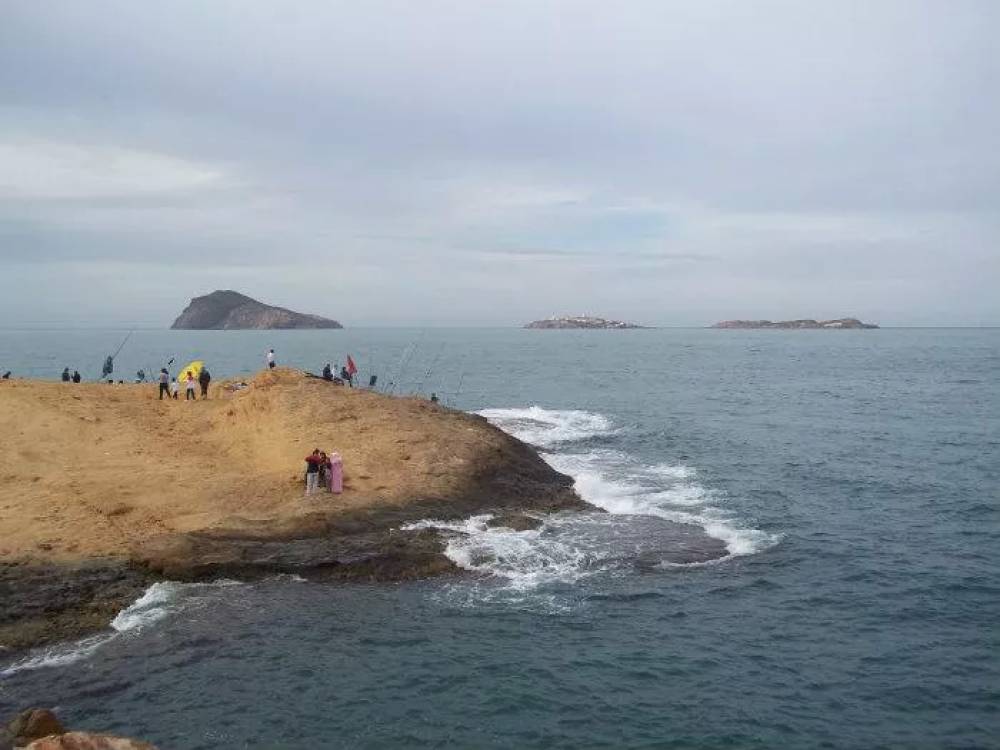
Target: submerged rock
(31,724)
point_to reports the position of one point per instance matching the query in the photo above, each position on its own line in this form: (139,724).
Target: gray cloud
(486,163)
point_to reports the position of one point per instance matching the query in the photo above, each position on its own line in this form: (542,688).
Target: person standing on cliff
(65,375)
(270,359)
(164,383)
(189,387)
(204,378)
(76,377)
(312,471)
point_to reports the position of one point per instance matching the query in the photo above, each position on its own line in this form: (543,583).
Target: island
(804,324)
(229,310)
(581,321)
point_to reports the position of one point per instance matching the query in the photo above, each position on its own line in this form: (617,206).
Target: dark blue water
(854,477)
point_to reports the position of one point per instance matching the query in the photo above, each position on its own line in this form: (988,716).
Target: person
(140,376)
(270,358)
(164,383)
(76,377)
(312,471)
(324,470)
(65,375)
(345,375)
(327,372)
(434,398)
(189,386)
(175,388)
(204,378)
(6,375)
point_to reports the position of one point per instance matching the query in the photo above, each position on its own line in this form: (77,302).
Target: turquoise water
(853,476)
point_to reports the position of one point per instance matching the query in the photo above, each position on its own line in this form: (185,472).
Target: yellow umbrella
(194,368)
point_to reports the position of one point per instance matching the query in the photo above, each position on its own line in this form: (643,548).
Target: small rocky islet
(808,324)
(581,322)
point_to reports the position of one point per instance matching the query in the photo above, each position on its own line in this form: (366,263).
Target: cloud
(676,162)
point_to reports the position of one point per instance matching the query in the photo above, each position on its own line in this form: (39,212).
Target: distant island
(229,310)
(839,323)
(581,321)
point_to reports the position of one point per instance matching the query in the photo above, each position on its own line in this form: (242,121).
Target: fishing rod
(109,362)
(427,374)
(402,364)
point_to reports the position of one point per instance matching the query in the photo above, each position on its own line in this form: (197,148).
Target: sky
(490,163)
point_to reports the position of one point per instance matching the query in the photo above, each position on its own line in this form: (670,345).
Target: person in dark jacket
(76,377)
(164,383)
(204,378)
(65,375)
(327,372)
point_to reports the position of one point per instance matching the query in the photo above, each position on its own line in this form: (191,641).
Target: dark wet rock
(515,521)
(31,724)
(43,603)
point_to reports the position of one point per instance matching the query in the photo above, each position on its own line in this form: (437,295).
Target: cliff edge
(229,310)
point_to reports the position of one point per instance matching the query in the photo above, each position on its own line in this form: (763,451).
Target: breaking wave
(566,548)
(157,602)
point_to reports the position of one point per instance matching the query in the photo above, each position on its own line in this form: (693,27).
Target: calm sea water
(853,476)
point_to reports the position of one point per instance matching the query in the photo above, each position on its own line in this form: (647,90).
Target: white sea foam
(597,483)
(524,559)
(547,427)
(58,655)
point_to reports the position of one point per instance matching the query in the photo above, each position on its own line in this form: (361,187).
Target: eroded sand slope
(98,470)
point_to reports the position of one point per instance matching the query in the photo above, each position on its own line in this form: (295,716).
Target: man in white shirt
(270,358)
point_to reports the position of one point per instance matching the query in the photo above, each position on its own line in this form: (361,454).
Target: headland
(108,489)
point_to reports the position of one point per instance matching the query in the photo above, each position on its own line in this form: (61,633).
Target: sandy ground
(94,469)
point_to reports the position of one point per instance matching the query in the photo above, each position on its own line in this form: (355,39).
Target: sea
(853,478)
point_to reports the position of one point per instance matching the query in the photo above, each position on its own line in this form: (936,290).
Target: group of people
(346,376)
(321,472)
(66,377)
(170,388)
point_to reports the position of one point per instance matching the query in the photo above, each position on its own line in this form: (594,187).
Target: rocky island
(229,310)
(581,321)
(804,324)
(147,490)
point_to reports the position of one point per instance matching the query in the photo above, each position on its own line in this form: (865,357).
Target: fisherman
(312,471)
(434,398)
(140,376)
(65,375)
(327,372)
(204,378)
(76,377)
(109,366)
(175,389)
(345,375)
(164,383)
(270,359)
(189,382)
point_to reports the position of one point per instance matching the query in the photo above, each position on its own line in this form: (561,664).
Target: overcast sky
(493,162)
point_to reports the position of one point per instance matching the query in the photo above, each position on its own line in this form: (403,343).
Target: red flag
(351,368)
